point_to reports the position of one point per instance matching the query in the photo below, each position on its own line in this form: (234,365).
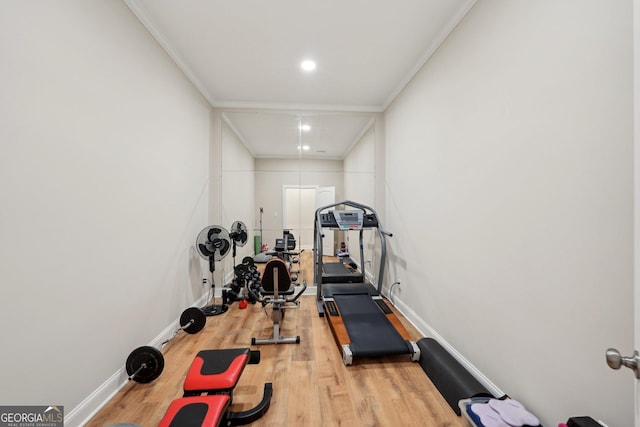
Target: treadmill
(362,323)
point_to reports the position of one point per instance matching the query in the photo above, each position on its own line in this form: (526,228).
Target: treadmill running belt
(336,268)
(371,333)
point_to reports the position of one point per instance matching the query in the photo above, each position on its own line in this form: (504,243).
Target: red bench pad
(216,370)
(196,411)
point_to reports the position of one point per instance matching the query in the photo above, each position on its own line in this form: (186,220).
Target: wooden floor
(311,386)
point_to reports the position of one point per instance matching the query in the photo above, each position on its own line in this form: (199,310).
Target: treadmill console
(348,220)
(370,220)
(327,220)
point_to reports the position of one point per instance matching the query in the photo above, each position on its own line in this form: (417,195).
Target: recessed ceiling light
(304,147)
(305,128)
(308,65)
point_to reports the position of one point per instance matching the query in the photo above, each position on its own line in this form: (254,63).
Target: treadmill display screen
(349,220)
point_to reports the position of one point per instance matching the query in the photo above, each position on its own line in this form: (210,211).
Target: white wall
(509,169)
(360,186)
(104,183)
(273,174)
(238,191)
(359,170)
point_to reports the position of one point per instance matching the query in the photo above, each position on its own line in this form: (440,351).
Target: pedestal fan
(213,244)
(239,237)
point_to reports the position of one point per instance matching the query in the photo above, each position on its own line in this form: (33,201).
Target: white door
(636,190)
(326,196)
(614,358)
(299,209)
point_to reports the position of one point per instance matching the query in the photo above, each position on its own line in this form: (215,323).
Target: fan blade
(241,238)
(224,248)
(204,250)
(214,231)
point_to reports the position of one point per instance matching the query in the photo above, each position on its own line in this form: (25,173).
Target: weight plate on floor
(241,269)
(153,362)
(198,317)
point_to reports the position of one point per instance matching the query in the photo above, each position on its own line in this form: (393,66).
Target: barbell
(146,363)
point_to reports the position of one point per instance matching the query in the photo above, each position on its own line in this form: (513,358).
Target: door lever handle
(615,361)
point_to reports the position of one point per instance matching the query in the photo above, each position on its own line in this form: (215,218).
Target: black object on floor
(451,379)
(583,422)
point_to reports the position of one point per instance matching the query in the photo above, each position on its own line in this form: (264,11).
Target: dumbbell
(146,363)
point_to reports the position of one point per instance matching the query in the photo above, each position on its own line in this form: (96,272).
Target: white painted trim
(140,13)
(294,112)
(96,400)
(427,331)
(81,414)
(303,111)
(451,25)
(301,107)
(357,139)
(636,191)
(237,133)
(306,157)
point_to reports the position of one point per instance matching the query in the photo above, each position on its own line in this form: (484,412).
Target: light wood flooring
(311,386)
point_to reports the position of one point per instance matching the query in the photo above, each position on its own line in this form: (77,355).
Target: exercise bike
(278,291)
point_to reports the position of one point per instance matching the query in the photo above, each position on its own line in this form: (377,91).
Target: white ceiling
(269,133)
(246,54)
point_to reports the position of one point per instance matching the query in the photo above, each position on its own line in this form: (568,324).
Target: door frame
(636,192)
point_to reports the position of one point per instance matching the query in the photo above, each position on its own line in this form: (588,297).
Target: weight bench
(208,391)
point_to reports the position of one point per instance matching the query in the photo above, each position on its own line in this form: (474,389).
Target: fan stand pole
(243,301)
(214,309)
(261,211)
(233,254)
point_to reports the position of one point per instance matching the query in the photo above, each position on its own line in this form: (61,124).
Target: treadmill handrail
(319,235)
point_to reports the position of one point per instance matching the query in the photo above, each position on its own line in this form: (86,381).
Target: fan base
(215,309)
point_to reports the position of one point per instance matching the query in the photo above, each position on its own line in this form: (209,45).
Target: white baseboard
(426,330)
(81,414)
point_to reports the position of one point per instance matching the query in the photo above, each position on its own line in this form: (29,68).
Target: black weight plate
(151,357)
(198,317)
(241,269)
(248,261)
